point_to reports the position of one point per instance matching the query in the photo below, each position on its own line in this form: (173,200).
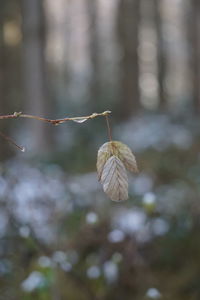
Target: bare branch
(16,115)
(56,121)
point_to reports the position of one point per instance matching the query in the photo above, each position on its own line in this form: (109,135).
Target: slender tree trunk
(5,149)
(161,54)
(128,22)
(194,39)
(1,57)
(35,80)
(94,85)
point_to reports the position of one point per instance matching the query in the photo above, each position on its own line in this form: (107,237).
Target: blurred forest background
(60,236)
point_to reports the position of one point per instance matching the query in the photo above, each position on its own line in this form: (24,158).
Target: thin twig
(56,121)
(109,128)
(16,115)
(7,138)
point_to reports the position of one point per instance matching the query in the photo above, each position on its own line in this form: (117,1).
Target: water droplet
(79,120)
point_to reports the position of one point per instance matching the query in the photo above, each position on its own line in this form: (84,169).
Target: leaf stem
(108,128)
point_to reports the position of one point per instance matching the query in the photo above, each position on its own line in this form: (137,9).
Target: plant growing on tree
(113,157)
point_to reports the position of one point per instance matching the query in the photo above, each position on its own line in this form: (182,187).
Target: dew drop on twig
(79,120)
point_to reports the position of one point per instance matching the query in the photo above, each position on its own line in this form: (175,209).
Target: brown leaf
(103,155)
(124,153)
(114,179)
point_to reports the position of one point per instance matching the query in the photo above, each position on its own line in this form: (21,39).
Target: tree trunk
(94,84)
(5,149)
(128,22)
(35,81)
(161,55)
(1,59)
(194,40)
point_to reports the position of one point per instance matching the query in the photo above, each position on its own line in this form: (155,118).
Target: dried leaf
(112,159)
(79,120)
(124,153)
(104,153)
(114,179)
